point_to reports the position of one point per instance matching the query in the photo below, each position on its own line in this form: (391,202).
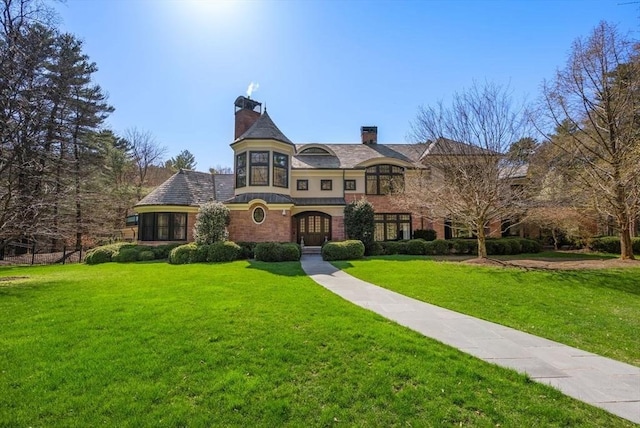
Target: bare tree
(468,179)
(597,95)
(146,152)
(219,169)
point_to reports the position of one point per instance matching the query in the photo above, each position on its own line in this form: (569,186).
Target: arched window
(384,179)
(314,151)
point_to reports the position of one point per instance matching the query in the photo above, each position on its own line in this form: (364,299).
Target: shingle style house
(288,192)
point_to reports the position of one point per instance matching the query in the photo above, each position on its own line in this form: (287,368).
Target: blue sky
(324,68)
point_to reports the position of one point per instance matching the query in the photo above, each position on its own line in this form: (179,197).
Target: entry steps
(309,249)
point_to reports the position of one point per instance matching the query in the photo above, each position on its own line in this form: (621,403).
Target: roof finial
(265,106)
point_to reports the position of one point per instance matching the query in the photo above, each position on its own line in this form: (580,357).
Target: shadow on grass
(278,268)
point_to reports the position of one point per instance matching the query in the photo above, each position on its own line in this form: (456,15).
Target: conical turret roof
(264,129)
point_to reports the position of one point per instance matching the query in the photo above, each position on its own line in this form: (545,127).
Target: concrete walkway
(602,382)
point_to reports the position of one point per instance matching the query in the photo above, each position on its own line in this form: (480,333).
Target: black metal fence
(30,253)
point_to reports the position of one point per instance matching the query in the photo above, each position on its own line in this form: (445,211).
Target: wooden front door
(314,228)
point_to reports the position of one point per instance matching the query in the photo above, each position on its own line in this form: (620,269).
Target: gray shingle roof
(190,188)
(319,201)
(264,129)
(270,198)
(350,155)
(448,147)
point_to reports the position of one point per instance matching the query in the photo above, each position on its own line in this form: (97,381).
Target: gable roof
(264,129)
(191,188)
(445,146)
(352,155)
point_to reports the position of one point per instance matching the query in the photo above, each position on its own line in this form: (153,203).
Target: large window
(384,179)
(392,227)
(163,227)
(259,169)
(241,170)
(280,170)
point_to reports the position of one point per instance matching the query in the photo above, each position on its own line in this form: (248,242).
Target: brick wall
(384,204)
(275,227)
(337,228)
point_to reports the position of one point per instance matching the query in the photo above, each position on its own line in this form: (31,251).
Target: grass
(238,344)
(594,310)
(561,255)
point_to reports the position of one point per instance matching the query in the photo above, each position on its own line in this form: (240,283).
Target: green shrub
(417,247)
(530,246)
(440,247)
(200,254)
(290,252)
(226,251)
(211,223)
(247,250)
(464,246)
(345,250)
(126,255)
(268,251)
(98,255)
(516,246)
(395,247)
(611,244)
(376,249)
(182,254)
(105,253)
(359,222)
(426,234)
(146,255)
(161,252)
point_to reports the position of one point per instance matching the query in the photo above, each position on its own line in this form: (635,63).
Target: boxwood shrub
(183,254)
(344,250)
(161,252)
(611,244)
(247,250)
(426,234)
(146,255)
(277,252)
(395,247)
(226,251)
(105,253)
(417,247)
(126,255)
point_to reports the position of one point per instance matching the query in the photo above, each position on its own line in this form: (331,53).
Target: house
(288,192)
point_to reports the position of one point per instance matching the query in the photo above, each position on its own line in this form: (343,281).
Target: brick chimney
(369,134)
(247,112)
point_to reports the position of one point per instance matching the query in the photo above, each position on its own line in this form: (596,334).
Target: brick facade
(275,227)
(385,204)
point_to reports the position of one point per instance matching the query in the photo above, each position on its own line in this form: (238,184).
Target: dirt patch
(12,278)
(559,264)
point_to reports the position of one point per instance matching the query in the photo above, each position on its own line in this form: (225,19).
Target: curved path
(602,382)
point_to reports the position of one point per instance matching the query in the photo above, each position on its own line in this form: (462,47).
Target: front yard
(238,344)
(594,310)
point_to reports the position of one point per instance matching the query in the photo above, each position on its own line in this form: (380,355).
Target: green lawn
(595,310)
(239,344)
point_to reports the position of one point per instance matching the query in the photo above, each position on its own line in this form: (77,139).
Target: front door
(314,228)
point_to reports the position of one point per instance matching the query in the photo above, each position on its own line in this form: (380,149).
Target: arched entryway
(313,227)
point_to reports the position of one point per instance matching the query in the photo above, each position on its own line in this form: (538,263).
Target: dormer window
(314,151)
(384,179)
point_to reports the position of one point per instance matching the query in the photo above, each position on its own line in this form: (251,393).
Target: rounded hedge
(345,250)
(183,254)
(226,251)
(290,252)
(126,255)
(146,256)
(417,247)
(105,253)
(277,252)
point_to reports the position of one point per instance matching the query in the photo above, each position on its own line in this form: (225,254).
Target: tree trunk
(482,244)
(626,246)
